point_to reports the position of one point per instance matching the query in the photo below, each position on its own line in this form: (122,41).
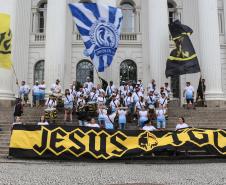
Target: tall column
(210,51)
(6,87)
(57,42)
(158,39)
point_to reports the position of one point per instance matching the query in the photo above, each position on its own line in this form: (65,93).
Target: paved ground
(67,173)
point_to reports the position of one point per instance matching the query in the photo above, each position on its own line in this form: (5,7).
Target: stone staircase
(201,117)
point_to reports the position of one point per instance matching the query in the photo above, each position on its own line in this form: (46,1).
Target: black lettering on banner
(92,142)
(54,140)
(201,141)
(216,140)
(176,140)
(41,148)
(78,143)
(117,144)
(2,37)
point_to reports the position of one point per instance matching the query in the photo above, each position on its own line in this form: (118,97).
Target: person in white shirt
(189,93)
(88,84)
(36,94)
(42,88)
(43,121)
(137,94)
(161,119)
(151,86)
(114,104)
(109,120)
(163,101)
(50,111)
(167,90)
(101,100)
(99,89)
(24,91)
(56,88)
(93,95)
(143,117)
(102,112)
(151,100)
(139,104)
(68,105)
(110,89)
(181,124)
(122,112)
(149,126)
(92,124)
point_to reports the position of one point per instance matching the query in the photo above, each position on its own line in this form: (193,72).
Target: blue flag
(99,27)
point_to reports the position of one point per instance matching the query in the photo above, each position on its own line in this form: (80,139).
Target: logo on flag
(99,26)
(5,41)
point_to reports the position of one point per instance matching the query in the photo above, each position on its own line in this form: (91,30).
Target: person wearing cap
(88,84)
(36,94)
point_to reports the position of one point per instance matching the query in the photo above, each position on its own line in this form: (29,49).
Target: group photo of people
(112,107)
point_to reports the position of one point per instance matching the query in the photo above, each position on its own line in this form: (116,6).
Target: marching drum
(50,114)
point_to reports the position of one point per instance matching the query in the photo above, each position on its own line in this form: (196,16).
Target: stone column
(57,42)
(158,39)
(6,75)
(210,51)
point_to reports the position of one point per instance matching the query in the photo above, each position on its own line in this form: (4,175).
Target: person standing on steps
(189,94)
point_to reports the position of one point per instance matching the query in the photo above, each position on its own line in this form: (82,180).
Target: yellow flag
(5,41)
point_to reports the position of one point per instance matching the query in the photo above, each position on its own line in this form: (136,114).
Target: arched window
(128,71)
(172,12)
(39,71)
(128,24)
(84,69)
(42,16)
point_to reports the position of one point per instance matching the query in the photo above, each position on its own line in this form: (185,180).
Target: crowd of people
(110,108)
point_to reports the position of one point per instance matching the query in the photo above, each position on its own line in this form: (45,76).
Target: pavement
(27,172)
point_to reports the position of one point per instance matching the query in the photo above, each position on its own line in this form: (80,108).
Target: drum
(92,107)
(50,113)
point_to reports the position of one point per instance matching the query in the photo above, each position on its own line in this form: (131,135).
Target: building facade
(47,46)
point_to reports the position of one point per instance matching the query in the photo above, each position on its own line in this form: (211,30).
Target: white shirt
(42,88)
(93,125)
(149,128)
(161,113)
(17,123)
(139,105)
(151,87)
(24,89)
(93,96)
(189,90)
(101,100)
(110,89)
(56,88)
(136,96)
(89,85)
(35,89)
(163,101)
(41,123)
(114,104)
(50,103)
(128,100)
(180,126)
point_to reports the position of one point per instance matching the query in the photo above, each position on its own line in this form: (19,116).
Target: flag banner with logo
(99,26)
(68,142)
(5,41)
(183,59)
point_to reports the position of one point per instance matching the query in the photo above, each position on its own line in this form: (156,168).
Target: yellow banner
(5,41)
(103,144)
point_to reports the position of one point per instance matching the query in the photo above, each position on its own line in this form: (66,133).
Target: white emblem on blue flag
(99,27)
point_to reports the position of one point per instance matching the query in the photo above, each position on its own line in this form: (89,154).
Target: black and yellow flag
(5,41)
(183,59)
